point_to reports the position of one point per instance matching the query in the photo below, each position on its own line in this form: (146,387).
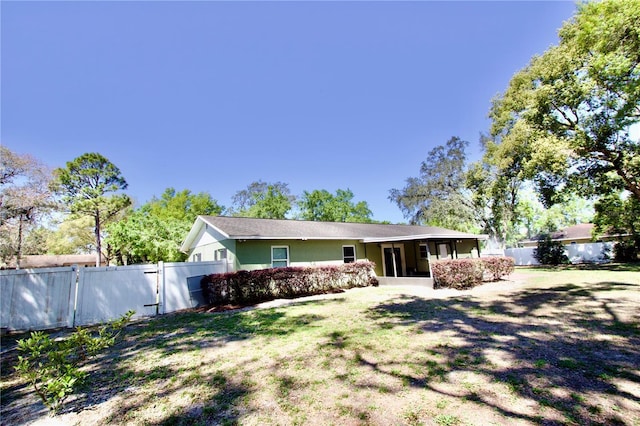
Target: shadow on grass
(113,374)
(578,339)
(569,340)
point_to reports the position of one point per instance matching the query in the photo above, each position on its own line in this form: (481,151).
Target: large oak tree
(568,115)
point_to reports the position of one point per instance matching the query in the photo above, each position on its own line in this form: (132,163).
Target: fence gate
(109,292)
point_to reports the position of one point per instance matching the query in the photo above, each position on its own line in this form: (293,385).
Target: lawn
(548,347)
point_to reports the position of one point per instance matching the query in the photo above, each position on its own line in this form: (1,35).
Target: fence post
(160,289)
(73,296)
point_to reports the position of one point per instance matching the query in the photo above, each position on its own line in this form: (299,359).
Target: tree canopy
(24,197)
(89,185)
(321,205)
(155,231)
(565,119)
(438,196)
(263,200)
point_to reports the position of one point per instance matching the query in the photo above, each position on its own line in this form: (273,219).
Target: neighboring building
(53,261)
(576,234)
(397,250)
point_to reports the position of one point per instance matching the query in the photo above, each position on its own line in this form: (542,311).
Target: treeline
(97,216)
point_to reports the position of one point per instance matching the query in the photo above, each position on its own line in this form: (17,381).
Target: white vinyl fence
(577,253)
(38,299)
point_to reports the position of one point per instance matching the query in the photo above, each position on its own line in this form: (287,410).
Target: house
(397,250)
(576,234)
(53,261)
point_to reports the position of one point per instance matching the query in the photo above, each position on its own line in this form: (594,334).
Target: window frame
(220,254)
(355,255)
(287,260)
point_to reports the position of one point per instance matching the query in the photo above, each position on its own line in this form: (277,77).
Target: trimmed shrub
(625,251)
(247,287)
(467,273)
(498,267)
(457,273)
(550,252)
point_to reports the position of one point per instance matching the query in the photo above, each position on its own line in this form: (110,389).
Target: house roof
(242,228)
(575,232)
(581,231)
(51,261)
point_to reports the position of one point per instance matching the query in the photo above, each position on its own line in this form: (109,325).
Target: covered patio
(408,260)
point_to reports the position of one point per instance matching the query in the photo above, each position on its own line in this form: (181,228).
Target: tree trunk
(98,242)
(19,247)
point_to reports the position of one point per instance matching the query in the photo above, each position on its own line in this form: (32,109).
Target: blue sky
(211,96)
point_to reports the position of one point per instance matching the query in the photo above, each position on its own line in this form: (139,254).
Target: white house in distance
(397,250)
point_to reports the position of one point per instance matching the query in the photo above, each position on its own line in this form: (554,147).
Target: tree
(24,198)
(263,200)
(89,186)
(321,205)
(567,116)
(438,196)
(495,183)
(155,231)
(620,215)
(74,235)
(550,252)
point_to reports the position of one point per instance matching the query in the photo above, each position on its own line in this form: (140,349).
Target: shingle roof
(575,232)
(251,228)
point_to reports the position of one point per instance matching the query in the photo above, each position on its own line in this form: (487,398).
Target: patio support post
(429,259)
(393,257)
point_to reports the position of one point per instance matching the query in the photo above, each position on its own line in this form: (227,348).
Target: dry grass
(550,347)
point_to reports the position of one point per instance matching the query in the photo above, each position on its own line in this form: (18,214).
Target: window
(349,254)
(279,256)
(221,254)
(424,253)
(197,257)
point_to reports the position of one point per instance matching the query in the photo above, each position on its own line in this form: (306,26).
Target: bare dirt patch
(547,347)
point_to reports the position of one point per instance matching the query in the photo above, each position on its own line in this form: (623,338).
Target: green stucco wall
(256,254)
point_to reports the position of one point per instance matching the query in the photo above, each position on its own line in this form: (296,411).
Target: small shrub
(498,267)
(550,252)
(52,366)
(625,251)
(244,287)
(467,273)
(457,273)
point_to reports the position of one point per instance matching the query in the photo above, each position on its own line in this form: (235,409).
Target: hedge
(247,287)
(467,273)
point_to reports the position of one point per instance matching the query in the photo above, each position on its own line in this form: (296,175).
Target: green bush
(625,251)
(52,366)
(246,287)
(457,273)
(497,267)
(549,252)
(467,273)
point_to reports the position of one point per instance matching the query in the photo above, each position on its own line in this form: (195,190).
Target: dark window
(349,254)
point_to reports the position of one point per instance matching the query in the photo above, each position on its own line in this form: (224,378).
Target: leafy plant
(52,366)
(550,252)
(457,273)
(268,284)
(498,266)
